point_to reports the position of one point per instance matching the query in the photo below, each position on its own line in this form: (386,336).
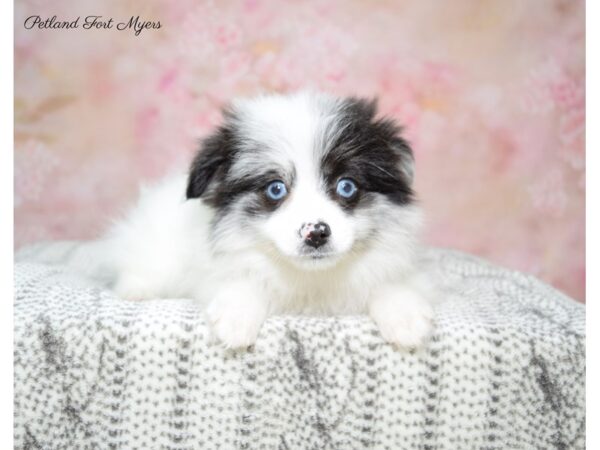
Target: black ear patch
(211,163)
(372,151)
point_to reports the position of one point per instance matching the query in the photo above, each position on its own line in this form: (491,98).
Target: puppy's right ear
(210,164)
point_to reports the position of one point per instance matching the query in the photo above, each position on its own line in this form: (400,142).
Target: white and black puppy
(296,204)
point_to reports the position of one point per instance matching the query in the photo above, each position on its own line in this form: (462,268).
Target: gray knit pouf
(504,370)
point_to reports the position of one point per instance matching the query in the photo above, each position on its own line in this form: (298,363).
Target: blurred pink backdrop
(491,94)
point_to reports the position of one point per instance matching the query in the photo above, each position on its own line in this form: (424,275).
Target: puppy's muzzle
(315,234)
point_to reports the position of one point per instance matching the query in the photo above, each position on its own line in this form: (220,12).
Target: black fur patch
(208,178)
(211,164)
(372,153)
(256,185)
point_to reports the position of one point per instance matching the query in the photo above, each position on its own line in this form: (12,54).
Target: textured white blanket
(505,370)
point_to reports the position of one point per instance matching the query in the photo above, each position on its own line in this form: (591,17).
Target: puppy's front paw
(404,317)
(236,318)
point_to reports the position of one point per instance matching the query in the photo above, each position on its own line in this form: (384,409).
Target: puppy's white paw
(404,316)
(236,317)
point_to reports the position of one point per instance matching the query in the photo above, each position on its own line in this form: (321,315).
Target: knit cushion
(504,369)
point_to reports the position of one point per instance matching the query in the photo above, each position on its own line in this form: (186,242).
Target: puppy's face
(307,179)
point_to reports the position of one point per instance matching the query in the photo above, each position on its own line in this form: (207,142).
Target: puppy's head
(308,179)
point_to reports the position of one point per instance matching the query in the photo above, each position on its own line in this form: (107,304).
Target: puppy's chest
(329,296)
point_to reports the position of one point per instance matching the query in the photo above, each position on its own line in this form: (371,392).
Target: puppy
(297,203)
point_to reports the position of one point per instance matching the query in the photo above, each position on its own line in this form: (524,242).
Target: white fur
(246,268)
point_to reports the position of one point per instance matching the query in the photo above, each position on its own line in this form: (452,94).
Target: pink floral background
(491,93)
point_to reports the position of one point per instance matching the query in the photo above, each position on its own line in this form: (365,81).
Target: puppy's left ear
(210,164)
(384,130)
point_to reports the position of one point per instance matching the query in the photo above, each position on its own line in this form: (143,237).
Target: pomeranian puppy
(299,204)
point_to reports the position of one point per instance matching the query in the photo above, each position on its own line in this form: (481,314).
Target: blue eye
(346,188)
(276,190)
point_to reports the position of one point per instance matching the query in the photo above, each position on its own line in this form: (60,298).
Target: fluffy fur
(215,235)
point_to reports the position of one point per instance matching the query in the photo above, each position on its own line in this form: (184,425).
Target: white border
(6,219)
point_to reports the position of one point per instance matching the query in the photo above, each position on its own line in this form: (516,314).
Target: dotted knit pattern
(504,370)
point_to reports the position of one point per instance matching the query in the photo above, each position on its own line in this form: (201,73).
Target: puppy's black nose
(318,234)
